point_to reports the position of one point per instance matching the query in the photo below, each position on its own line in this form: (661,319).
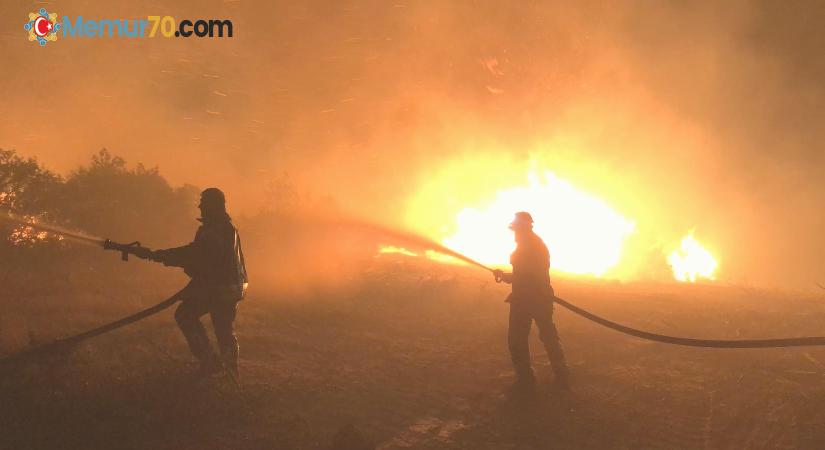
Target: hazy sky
(705,115)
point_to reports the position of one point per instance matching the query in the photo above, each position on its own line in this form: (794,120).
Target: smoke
(315,253)
(683,115)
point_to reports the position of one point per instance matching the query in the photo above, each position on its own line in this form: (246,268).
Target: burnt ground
(417,358)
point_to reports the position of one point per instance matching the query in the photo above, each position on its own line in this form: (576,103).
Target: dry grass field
(413,355)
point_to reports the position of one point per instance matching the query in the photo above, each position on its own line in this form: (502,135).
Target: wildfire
(691,261)
(468,204)
(584,234)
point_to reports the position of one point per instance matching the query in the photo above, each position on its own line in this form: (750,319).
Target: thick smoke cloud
(686,115)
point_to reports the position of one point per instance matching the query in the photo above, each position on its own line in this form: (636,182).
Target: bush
(105,198)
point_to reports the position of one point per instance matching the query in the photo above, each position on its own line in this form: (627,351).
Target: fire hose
(70,342)
(127,249)
(675,340)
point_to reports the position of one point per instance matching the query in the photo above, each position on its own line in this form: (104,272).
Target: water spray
(76,236)
(409,238)
(402,236)
(427,243)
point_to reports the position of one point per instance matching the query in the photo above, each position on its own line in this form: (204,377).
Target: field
(413,355)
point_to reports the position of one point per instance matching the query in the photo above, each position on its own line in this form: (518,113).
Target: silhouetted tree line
(106,197)
(109,198)
(292,242)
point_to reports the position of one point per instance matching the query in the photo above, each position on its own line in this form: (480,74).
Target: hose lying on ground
(690,342)
(675,340)
(69,342)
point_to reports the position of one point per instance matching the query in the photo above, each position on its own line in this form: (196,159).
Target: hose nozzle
(124,249)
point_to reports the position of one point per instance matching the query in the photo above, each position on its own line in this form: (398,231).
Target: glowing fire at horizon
(584,234)
(691,261)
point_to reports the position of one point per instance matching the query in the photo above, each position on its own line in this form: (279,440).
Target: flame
(691,261)
(25,235)
(584,235)
(391,249)
(606,230)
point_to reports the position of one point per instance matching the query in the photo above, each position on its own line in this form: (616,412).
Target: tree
(25,186)
(110,199)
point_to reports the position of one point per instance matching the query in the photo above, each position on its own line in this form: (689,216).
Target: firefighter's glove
(498,274)
(143,253)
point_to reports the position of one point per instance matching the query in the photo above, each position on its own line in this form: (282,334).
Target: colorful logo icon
(42,26)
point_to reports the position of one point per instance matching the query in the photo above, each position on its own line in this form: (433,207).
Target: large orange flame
(469,202)
(584,234)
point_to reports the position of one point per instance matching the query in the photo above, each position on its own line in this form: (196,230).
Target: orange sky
(687,116)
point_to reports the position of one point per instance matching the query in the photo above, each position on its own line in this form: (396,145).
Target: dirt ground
(414,357)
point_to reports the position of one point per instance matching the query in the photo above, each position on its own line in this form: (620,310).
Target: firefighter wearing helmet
(531,300)
(214,261)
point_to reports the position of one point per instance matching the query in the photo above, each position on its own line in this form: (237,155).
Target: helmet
(212,201)
(522,221)
(213,196)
